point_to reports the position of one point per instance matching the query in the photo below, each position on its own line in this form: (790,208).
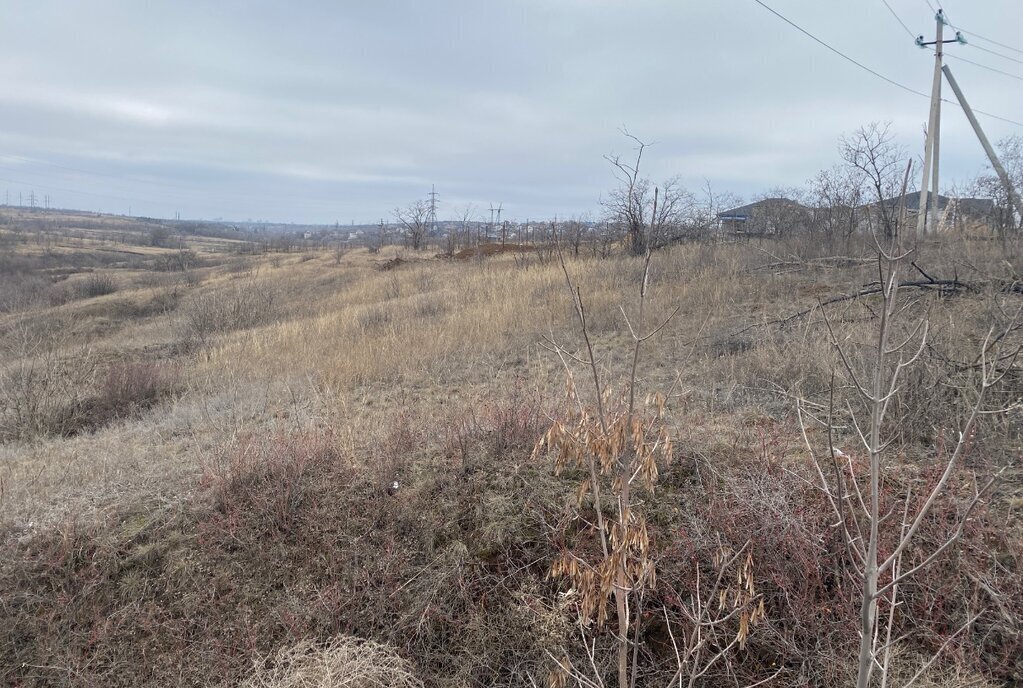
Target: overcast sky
(341,110)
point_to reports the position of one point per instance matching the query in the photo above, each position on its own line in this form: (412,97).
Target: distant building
(953,213)
(769,216)
(977,206)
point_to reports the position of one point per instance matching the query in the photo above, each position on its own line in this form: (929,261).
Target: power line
(987,114)
(1004,57)
(954,57)
(839,52)
(899,19)
(984,66)
(993,42)
(871,71)
(944,14)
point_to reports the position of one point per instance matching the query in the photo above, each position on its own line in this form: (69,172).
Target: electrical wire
(1004,57)
(993,42)
(899,19)
(839,52)
(984,66)
(986,114)
(871,71)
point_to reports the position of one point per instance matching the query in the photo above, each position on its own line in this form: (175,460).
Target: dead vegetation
(194,477)
(343,662)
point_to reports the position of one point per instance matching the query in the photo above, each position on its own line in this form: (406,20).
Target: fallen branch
(946,287)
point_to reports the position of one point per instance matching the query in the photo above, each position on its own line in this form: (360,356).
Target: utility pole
(433,209)
(932,146)
(1014,199)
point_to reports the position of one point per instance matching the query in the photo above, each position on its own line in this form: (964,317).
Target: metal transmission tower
(32,200)
(932,146)
(433,210)
(490,227)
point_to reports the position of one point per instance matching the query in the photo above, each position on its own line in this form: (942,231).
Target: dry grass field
(196,445)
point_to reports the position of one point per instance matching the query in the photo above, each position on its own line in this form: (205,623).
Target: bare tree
(701,220)
(836,195)
(872,152)
(1010,153)
(647,214)
(573,232)
(466,225)
(414,220)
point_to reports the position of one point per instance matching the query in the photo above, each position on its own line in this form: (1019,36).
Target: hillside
(198,437)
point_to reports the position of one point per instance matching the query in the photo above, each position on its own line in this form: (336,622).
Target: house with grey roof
(766,217)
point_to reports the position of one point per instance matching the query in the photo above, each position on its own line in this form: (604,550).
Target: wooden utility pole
(1014,199)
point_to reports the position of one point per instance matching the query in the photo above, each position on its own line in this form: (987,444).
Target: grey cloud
(318,111)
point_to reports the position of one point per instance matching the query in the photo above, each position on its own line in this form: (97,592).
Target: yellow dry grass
(354,344)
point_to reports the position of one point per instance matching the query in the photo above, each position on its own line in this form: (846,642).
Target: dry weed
(342,662)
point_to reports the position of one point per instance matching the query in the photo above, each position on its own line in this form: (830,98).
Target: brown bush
(92,286)
(45,388)
(259,485)
(212,313)
(127,388)
(22,290)
(508,423)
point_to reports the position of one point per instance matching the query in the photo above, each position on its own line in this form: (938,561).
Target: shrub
(212,313)
(181,260)
(127,388)
(259,485)
(46,387)
(96,285)
(59,391)
(21,291)
(495,428)
(159,237)
(91,287)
